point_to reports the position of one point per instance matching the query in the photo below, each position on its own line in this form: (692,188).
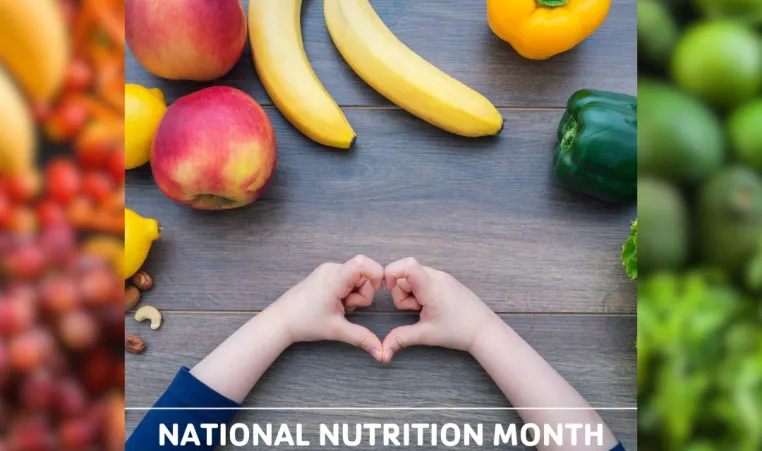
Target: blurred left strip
(61,225)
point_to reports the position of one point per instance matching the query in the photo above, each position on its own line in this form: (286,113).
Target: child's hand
(451,315)
(314,309)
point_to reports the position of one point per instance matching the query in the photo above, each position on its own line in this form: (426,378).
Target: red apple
(215,149)
(186,39)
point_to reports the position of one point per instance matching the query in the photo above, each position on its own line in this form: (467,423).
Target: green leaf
(630,252)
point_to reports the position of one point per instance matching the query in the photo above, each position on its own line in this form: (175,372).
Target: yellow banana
(402,76)
(34,45)
(276,43)
(17,137)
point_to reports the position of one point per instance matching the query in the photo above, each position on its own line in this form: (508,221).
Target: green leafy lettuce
(630,252)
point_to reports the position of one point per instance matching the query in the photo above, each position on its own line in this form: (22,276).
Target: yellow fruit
(18,144)
(34,45)
(276,41)
(143,110)
(108,248)
(402,76)
(139,234)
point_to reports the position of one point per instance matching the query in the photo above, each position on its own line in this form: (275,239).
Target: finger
(404,336)
(404,300)
(403,283)
(349,308)
(351,272)
(362,297)
(414,274)
(359,336)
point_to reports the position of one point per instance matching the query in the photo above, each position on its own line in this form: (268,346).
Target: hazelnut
(131,298)
(142,280)
(134,344)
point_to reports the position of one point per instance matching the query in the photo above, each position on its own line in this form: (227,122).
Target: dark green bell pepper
(598,150)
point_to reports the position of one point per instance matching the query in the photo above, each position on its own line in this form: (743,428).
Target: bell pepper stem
(551,3)
(569,137)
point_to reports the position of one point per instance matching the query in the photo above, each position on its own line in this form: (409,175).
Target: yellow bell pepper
(539,29)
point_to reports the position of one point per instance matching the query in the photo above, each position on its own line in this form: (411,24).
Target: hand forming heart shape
(451,315)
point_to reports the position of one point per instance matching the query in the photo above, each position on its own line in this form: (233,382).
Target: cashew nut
(149,312)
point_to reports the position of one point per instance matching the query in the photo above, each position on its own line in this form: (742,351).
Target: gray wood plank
(596,354)
(488,211)
(453,35)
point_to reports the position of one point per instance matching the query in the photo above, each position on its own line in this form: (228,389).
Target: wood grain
(596,354)
(487,211)
(454,36)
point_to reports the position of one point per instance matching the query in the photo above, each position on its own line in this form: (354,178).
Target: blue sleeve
(185,391)
(618,447)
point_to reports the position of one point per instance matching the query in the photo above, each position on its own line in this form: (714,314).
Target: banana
(34,45)
(402,76)
(276,43)
(18,145)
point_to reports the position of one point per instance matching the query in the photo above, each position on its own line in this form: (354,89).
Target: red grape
(78,330)
(96,371)
(25,261)
(4,371)
(31,435)
(98,286)
(16,315)
(111,319)
(29,350)
(59,244)
(60,294)
(76,433)
(70,398)
(37,390)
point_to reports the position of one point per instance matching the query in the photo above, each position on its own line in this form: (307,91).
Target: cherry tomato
(116,165)
(97,185)
(93,146)
(23,187)
(21,220)
(66,120)
(50,214)
(79,75)
(5,208)
(62,180)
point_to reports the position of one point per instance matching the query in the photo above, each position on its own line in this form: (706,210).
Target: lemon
(139,234)
(143,110)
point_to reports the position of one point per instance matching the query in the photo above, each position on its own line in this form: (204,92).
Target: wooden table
(487,210)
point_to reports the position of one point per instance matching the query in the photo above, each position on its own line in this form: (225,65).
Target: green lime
(720,62)
(663,226)
(657,33)
(715,8)
(745,134)
(679,138)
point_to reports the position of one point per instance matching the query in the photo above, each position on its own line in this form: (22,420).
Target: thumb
(359,336)
(404,336)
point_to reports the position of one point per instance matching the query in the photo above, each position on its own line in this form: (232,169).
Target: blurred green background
(700,225)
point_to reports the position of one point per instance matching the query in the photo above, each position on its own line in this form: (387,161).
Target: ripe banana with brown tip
(402,76)
(34,45)
(276,43)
